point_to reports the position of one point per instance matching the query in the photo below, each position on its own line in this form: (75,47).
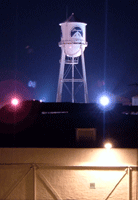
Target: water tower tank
(73,36)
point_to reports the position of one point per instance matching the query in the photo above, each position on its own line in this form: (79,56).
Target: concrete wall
(81,174)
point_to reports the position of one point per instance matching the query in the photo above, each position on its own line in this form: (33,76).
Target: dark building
(36,124)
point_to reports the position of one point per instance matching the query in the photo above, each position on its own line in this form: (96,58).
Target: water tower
(73,43)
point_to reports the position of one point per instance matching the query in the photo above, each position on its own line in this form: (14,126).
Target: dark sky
(29,51)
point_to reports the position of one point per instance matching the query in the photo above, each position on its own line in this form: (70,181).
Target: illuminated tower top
(73,35)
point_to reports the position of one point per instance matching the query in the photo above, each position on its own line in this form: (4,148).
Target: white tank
(73,36)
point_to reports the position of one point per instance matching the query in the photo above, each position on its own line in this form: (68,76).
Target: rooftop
(38,124)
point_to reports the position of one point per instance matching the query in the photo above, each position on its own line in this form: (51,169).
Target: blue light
(43,99)
(32,84)
(106,101)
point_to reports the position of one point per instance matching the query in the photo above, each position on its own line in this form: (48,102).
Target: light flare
(104,100)
(15,101)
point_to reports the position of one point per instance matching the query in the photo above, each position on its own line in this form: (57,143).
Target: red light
(15,102)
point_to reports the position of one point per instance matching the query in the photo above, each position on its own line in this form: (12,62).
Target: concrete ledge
(70,156)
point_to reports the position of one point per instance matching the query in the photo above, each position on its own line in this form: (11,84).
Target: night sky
(29,51)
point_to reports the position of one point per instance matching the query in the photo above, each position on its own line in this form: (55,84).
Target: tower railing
(72,42)
(70,61)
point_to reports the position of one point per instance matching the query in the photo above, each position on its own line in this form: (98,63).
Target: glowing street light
(108,145)
(104,100)
(15,102)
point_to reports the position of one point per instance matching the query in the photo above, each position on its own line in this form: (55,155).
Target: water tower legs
(84,76)
(72,62)
(72,79)
(60,80)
